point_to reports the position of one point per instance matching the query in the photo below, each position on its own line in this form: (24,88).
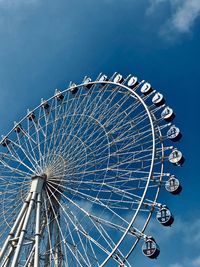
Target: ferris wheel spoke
(47,123)
(68,146)
(80,255)
(49,249)
(121,124)
(117,123)
(87,105)
(62,151)
(9,167)
(39,127)
(55,213)
(4,178)
(104,148)
(100,147)
(131,136)
(123,192)
(5,229)
(93,200)
(15,158)
(104,104)
(118,256)
(105,236)
(113,109)
(15,153)
(91,129)
(109,241)
(47,152)
(22,140)
(26,135)
(142,159)
(155,109)
(7,195)
(9,217)
(75,109)
(93,161)
(30,145)
(47,132)
(124,177)
(101,137)
(126,114)
(102,94)
(131,159)
(40,135)
(79,228)
(85,122)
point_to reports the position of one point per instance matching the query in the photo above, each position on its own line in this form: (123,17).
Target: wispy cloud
(188,234)
(196,262)
(154,5)
(184,17)
(184,14)
(188,262)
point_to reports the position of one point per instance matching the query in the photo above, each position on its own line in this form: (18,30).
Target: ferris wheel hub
(38,183)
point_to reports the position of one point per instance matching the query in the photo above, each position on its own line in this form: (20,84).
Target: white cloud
(187,262)
(188,234)
(184,17)
(196,262)
(184,14)
(154,4)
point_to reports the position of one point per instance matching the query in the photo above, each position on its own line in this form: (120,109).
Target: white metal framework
(80,175)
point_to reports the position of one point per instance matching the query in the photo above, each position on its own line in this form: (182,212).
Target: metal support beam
(37,231)
(15,226)
(24,230)
(35,194)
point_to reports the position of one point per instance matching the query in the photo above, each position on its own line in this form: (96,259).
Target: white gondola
(87,82)
(158,99)
(168,114)
(5,142)
(164,216)
(174,133)
(59,96)
(176,157)
(150,248)
(18,128)
(146,89)
(103,79)
(73,88)
(133,82)
(173,186)
(118,79)
(31,116)
(45,104)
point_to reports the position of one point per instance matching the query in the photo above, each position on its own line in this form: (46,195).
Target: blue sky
(46,44)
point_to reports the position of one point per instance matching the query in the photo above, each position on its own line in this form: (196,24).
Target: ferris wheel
(80,175)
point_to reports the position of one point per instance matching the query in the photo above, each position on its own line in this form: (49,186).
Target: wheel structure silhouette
(80,175)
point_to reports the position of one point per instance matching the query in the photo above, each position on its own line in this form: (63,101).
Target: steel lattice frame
(80,176)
